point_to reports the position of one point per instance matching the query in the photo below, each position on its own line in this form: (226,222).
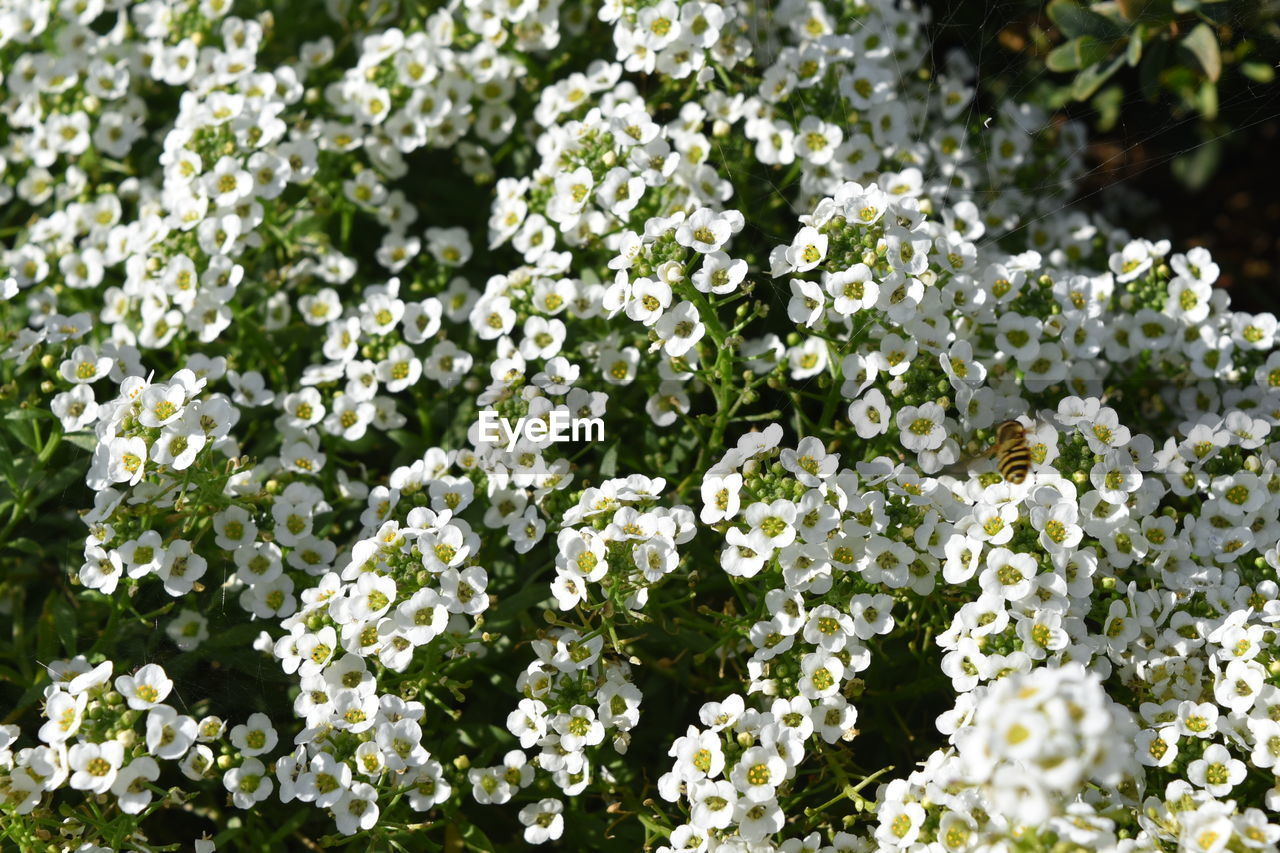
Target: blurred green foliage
(1184,75)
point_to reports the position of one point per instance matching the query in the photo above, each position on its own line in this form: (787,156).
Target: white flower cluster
(245,278)
(1036,738)
(91,741)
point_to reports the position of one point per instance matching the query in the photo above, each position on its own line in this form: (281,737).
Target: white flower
(719,274)
(648,300)
(921,428)
(870,414)
(126,459)
(94,766)
(817,140)
(254,737)
(720,497)
(1009,575)
(543,821)
(325,781)
(758,773)
(699,755)
(712,803)
(807,250)
(834,718)
(1157,747)
(429,786)
(1217,772)
(757,820)
(146,688)
(248,784)
(772,524)
(808,359)
(572,192)
(679,329)
(809,462)
(821,676)
(528,722)
(704,231)
(578,728)
(169,735)
(76,408)
(85,366)
(65,713)
(807,304)
(1237,687)
(900,824)
(130,784)
(852,289)
(180,568)
(872,615)
(1134,260)
(180,442)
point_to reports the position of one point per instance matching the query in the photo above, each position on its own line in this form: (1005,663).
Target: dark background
(1235,212)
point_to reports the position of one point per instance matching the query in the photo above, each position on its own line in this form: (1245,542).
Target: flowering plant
(271,585)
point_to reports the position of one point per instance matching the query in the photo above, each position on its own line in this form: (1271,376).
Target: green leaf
(1108,104)
(1133,53)
(84,440)
(1258,72)
(481,734)
(1088,80)
(1183,7)
(1076,54)
(476,839)
(1203,43)
(348,217)
(26,546)
(1196,167)
(46,635)
(1076,20)
(27,414)
(609,462)
(1209,100)
(64,623)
